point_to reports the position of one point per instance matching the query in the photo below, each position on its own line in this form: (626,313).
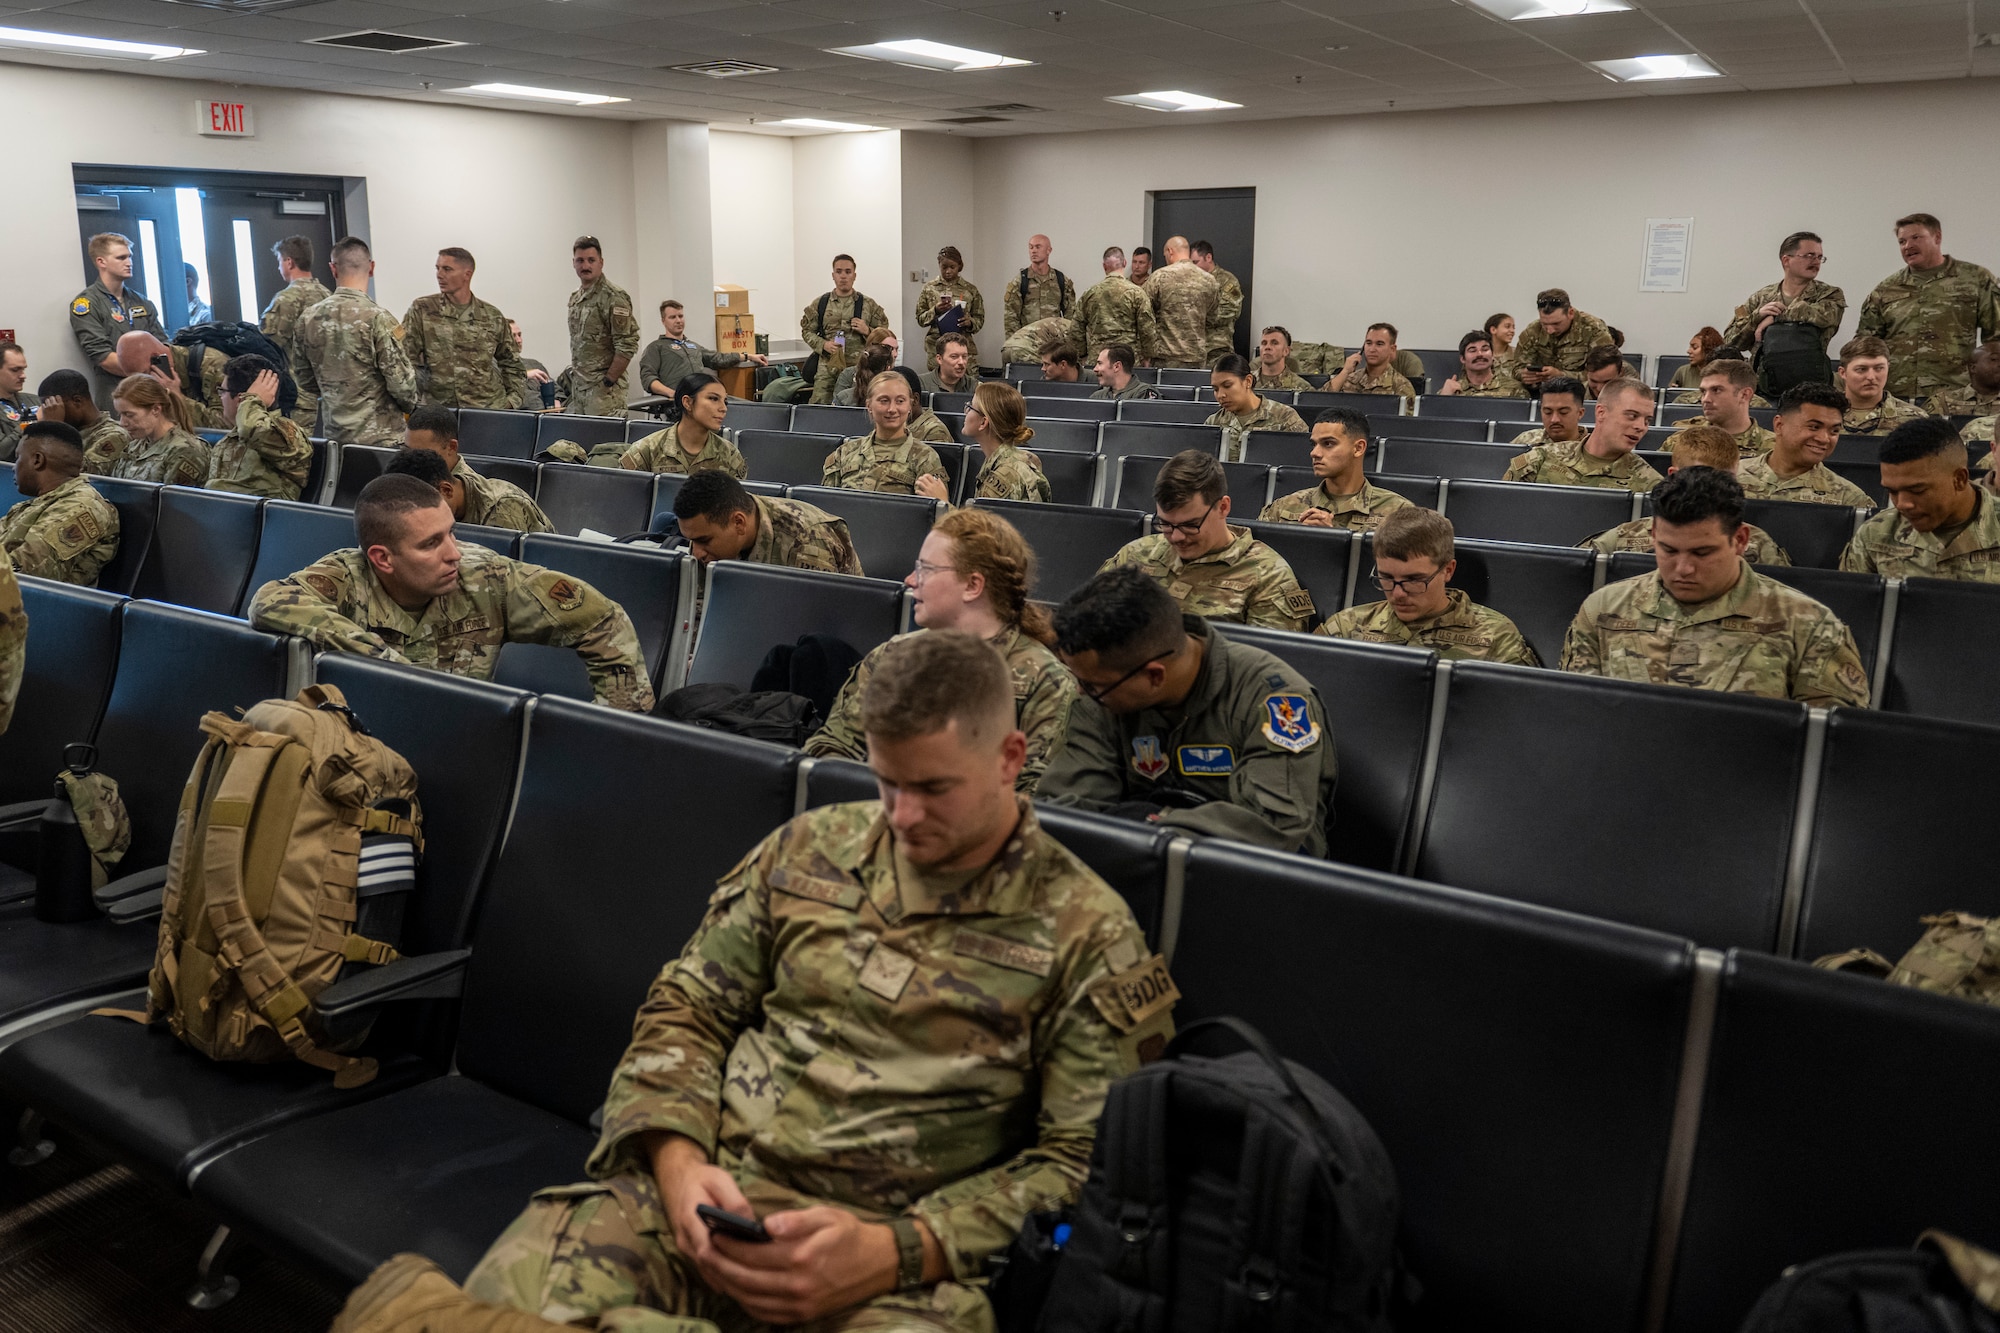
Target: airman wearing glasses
(1178,726)
(1799,298)
(1559,340)
(1210,568)
(1414,562)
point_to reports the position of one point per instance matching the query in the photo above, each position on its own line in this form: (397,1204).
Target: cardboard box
(735,333)
(731,300)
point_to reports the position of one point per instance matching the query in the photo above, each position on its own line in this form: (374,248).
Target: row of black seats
(1594,1126)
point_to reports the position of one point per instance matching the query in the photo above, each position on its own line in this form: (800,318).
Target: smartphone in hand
(732,1225)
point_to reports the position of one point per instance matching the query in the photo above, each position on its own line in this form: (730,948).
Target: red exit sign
(224,120)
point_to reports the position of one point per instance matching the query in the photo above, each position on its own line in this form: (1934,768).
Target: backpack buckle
(1260,1281)
(359,727)
(1135,1223)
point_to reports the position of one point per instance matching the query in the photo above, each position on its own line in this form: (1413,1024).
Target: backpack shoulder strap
(1021,296)
(1062,292)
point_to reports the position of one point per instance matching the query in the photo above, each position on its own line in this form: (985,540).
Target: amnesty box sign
(224,120)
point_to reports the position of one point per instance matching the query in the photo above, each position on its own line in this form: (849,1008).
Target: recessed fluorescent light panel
(1641,69)
(1550,9)
(91,46)
(808,123)
(930,55)
(1175,100)
(528,94)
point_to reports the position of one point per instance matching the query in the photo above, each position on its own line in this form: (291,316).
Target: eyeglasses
(1411,585)
(1097,695)
(924,570)
(1189,528)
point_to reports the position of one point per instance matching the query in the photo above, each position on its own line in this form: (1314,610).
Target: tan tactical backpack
(297,832)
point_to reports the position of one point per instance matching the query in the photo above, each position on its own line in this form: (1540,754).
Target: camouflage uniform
(837,345)
(1011,474)
(1502,385)
(1463,630)
(1246,581)
(1384,381)
(1818,484)
(464,355)
(601,329)
(931,305)
(337,604)
(662,451)
(265,453)
(927,426)
(205,406)
(1880,419)
(1637,535)
(1931,321)
(671,360)
(13,643)
(1024,345)
(801,536)
(1116,310)
(1049,295)
(14,413)
(1760,637)
(97,320)
(1573,465)
(1236,426)
(1288,380)
(1135,391)
(1228,305)
(1977,433)
(104,442)
(1821,305)
(1749,443)
(1362,511)
(68,534)
(1537,436)
(493,503)
(1534,348)
(921,1047)
(175,459)
(1184,301)
(1251,738)
(280,325)
(1043,692)
(1887,545)
(349,354)
(1966,402)
(867,463)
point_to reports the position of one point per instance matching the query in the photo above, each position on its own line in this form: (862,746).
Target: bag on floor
(1943,1285)
(1959,954)
(293,857)
(1226,1194)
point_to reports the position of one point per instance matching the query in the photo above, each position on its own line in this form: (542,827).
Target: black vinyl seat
(1513,511)
(1886,853)
(1017,372)
(825,419)
(1510,412)
(1191,376)
(293,536)
(1856,598)
(586,431)
(746,415)
(1378,702)
(1070,542)
(612,501)
(667,485)
(752,609)
(138,506)
(523,472)
(1155,438)
(501,434)
(1427,428)
(1835,1109)
(1310,405)
(1539,588)
(1423,491)
(1047,388)
(1534,765)
(1945,630)
(549,995)
(790,458)
(203,547)
(1867,474)
(1063,433)
(502,541)
(72,652)
(359,465)
(1812,535)
(157,1103)
(655,587)
(1248,485)
(1071,409)
(1522,1077)
(1072,473)
(1319,558)
(1165,412)
(1283,448)
(1665,369)
(887,530)
(940,403)
(318,469)
(1448,458)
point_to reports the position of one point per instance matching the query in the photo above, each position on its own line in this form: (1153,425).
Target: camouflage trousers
(602,1256)
(823,383)
(592,399)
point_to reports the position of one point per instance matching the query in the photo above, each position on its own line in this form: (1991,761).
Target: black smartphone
(724,1223)
(163,364)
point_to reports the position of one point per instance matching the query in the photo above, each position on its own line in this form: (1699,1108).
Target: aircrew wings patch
(1288,723)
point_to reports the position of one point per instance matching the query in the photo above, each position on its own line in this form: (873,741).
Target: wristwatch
(909,1252)
(610,383)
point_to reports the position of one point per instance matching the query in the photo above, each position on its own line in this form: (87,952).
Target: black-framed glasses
(1546,306)
(1189,528)
(1097,695)
(1410,586)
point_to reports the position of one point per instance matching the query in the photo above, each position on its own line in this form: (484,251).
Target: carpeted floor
(88,1247)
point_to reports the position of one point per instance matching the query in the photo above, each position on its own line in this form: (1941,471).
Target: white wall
(670,184)
(481,194)
(1433,221)
(937,211)
(847,198)
(750,204)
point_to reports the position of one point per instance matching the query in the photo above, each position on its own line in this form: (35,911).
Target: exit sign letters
(224,120)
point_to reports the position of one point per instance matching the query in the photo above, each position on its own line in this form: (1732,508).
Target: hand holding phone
(733,1225)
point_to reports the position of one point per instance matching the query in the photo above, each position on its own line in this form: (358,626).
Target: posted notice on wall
(1664,266)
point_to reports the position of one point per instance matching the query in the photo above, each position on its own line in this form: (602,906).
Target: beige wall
(847,198)
(750,205)
(938,210)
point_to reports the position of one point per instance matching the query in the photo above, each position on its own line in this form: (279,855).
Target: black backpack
(235,340)
(1790,354)
(763,715)
(1226,1194)
(1021,294)
(815,667)
(1923,1290)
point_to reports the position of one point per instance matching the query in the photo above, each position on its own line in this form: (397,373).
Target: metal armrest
(135,907)
(351,1004)
(125,886)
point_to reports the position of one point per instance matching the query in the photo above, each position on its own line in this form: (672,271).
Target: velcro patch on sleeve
(1299,602)
(1132,997)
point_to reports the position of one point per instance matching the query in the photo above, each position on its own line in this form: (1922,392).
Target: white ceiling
(1279,58)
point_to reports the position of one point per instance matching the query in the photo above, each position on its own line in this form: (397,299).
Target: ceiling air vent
(395,43)
(245,6)
(972,120)
(724,69)
(1002,109)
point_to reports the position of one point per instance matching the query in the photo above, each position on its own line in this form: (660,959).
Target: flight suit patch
(886,972)
(566,595)
(321,585)
(80,306)
(1128,999)
(1003,953)
(1207,761)
(1147,757)
(1288,723)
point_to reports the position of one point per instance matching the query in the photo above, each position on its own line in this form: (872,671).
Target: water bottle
(62,871)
